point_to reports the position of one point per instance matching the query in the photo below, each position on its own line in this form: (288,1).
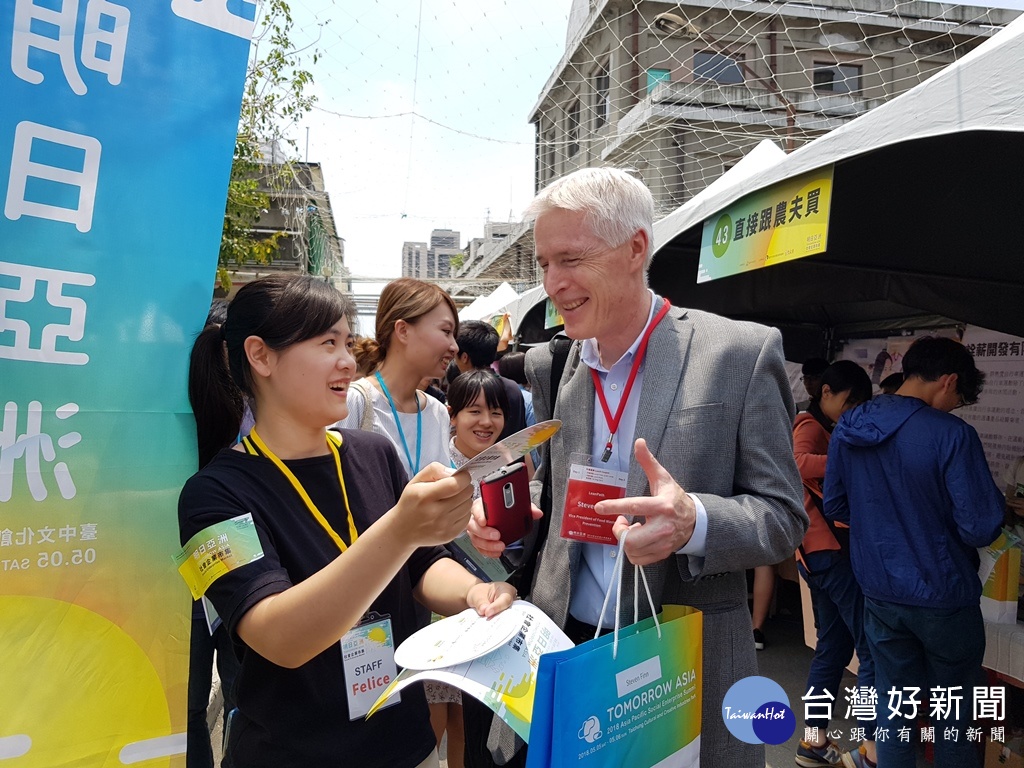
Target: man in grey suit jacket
(711,401)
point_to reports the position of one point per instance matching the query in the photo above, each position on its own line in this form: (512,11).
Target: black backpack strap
(559,347)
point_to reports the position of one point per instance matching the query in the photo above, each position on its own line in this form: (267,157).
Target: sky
(470,70)
(394,177)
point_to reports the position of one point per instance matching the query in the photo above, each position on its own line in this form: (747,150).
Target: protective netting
(677,93)
(680,92)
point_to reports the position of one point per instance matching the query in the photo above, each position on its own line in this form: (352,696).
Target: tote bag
(630,698)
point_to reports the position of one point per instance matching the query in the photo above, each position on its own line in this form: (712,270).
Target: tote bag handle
(637,571)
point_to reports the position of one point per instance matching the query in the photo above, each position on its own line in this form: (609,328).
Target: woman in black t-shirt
(344,545)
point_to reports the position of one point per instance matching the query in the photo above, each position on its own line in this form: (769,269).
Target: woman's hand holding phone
(435,506)
(506,497)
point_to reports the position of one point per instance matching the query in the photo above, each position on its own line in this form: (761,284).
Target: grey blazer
(716,411)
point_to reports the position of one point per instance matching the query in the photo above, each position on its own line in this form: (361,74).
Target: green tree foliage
(276,97)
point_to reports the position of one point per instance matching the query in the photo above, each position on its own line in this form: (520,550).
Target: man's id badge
(589,484)
(368,657)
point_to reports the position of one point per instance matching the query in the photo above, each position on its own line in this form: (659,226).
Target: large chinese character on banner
(116,137)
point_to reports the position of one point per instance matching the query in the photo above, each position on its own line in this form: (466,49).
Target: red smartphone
(506,497)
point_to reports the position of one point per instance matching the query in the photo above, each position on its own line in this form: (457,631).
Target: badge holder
(588,484)
(368,658)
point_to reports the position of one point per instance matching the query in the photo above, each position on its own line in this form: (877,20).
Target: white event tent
(926,193)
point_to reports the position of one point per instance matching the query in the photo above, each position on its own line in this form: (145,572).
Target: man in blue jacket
(912,482)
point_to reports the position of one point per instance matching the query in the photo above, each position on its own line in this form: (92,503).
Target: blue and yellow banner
(116,140)
(552,319)
(786,221)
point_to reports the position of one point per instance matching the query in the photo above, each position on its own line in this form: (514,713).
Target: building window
(572,128)
(655,76)
(602,85)
(709,66)
(836,78)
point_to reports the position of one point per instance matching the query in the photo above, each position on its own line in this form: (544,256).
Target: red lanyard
(641,353)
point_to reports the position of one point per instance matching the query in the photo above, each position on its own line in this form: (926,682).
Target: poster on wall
(116,140)
(870,354)
(883,356)
(999,413)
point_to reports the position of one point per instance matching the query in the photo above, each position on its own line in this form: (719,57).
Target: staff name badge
(589,484)
(368,657)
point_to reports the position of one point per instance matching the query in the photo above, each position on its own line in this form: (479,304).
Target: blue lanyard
(414,468)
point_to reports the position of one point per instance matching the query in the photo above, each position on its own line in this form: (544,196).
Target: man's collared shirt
(598,566)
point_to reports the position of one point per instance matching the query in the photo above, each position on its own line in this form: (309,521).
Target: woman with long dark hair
(343,544)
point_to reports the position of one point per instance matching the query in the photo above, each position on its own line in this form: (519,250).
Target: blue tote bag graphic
(631,698)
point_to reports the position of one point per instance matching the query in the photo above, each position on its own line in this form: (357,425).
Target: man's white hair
(616,204)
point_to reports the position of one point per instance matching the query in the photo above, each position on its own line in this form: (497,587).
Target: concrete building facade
(433,261)
(300,208)
(414,258)
(679,92)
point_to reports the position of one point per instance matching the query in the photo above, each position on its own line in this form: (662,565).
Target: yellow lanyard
(255,446)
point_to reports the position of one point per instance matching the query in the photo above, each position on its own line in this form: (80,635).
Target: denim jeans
(839,609)
(925,648)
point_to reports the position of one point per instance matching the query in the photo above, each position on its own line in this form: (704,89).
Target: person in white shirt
(415,339)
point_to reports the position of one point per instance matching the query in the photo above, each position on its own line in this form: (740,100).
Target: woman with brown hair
(415,339)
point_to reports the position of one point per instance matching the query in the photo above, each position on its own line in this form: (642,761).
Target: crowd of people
(898,502)
(345,465)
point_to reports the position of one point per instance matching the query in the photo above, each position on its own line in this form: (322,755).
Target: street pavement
(786,660)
